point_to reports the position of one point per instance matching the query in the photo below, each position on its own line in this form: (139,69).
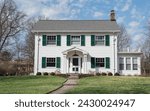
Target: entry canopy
(75,49)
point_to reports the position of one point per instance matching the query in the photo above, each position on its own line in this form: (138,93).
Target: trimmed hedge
(38,73)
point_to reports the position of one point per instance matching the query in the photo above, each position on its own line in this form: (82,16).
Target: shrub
(104,74)
(85,75)
(117,74)
(45,74)
(110,74)
(38,73)
(98,74)
(52,73)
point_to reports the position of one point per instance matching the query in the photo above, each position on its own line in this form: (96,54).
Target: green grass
(29,84)
(112,85)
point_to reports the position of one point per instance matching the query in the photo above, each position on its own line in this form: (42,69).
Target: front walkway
(69,84)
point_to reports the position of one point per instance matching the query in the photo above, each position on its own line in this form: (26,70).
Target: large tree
(11,22)
(123,38)
(146,51)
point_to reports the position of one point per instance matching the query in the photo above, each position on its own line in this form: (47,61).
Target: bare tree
(146,51)
(11,22)
(123,38)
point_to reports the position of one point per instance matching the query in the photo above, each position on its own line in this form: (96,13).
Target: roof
(76,26)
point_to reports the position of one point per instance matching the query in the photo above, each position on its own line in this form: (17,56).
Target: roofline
(113,31)
(135,53)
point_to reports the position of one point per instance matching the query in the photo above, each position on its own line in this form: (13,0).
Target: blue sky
(132,13)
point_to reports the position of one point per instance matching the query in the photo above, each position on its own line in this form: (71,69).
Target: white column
(65,64)
(85,64)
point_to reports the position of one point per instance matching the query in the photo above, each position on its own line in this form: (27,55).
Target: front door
(75,65)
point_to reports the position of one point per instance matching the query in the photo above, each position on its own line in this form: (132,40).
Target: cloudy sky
(132,13)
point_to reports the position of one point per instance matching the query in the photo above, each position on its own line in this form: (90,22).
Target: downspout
(114,52)
(38,53)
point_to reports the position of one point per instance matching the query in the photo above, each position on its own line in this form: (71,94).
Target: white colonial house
(82,46)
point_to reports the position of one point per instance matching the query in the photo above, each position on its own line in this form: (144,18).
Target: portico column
(85,63)
(65,64)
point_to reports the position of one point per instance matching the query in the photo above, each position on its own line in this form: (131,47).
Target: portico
(75,61)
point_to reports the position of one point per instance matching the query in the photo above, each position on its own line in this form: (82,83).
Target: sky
(134,14)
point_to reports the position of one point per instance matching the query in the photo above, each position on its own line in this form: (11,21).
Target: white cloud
(58,9)
(98,14)
(127,5)
(120,19)
(134,24)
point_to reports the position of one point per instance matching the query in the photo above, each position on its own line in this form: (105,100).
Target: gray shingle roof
(76,26)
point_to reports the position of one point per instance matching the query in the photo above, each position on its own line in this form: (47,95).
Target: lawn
(112,85)
(29,84)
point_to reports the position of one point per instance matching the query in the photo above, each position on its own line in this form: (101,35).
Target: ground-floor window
(128,63)
(121,63)
(100,62)
(50,62)
(134,60)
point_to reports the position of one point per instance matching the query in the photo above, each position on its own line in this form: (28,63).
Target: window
(99,40)
(128,63)
(100,62)
(51,40)
(75,40)
(134,60)
(121,63)
(50,62)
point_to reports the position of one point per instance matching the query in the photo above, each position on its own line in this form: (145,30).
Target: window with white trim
(50,62)
(100,62)
(134,60)
(121,63)
(75,40)
(51,40)
(100,40)
(128,63)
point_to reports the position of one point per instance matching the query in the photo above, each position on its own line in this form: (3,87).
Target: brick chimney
(112,15)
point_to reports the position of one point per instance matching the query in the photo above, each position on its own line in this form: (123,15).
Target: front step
(73,77)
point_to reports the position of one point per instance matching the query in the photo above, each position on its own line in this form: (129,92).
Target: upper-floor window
(134,60)
(51,40)
(121,63)
(100,40)
(50,62)
(75,40)
(128,63)
(100,62)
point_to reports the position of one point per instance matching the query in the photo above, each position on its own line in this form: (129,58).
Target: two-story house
(81,46)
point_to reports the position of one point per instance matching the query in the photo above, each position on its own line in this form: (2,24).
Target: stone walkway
(69,84)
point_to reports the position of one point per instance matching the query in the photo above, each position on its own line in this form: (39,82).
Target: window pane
(128,66)
(135,67)
(134,60)
(75,40)
(128,61)
(100,62)
(51,40)
(99,40)
(121,66)
(50,62)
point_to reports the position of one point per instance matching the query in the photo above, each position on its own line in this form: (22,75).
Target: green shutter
(58,40)
(58,62)
(107,63)
(82,40)
(107,40)
(92,40)
(43,62)
(92,62)
(68,40)
(44,40)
